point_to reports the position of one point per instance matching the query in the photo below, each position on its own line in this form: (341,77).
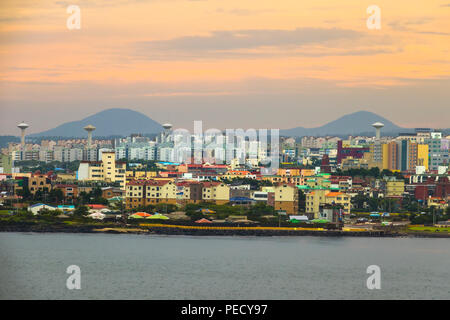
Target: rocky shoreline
(113,229)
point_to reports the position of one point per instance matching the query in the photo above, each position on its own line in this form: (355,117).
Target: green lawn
(429,229)
(4,212)
(392,214)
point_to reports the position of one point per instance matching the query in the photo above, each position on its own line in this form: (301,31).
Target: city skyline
(310,62)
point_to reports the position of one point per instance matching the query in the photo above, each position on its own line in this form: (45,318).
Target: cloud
(408,26)
(248,39)
(266,43)
(243,12)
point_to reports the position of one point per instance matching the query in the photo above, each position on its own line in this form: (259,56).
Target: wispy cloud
(412,25)
(267,43)
(247,39)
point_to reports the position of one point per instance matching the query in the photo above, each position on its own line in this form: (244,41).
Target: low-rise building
(150,192)
(70,191)
(38,207)
(316,198)
(286,198)
(393,187)
(39,182)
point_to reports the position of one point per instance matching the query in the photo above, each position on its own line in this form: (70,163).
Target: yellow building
(318,181)
(39,182)
(241,174)
(366,162)
(437,203)
(290,176)
(134,195)
(267,189)
(422,155)
(289,172)
(161,191)
(66,177)
(149,192)
(286,198)
(108,170)
(394,187)
(319,197)
(216,192)
(140,175)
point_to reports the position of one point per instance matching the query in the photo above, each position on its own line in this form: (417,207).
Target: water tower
(165,135)
(378,126)
(22,126)
(89,128)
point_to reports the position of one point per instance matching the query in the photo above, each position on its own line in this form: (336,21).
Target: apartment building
(216,192)
(286,198)
(150,192)
(6,163)
(320,197)
(290,176)
(140,175)
(393,187)
(108,169)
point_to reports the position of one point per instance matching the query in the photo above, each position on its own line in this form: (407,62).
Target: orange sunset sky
(246,63)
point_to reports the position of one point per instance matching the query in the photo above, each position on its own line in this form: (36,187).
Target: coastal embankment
(168,229)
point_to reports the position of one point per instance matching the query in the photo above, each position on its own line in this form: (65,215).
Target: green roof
(320,221)
(158,216)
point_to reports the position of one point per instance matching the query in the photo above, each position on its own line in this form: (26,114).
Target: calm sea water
(33,266)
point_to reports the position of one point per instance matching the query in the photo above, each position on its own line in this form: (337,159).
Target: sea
(135,267)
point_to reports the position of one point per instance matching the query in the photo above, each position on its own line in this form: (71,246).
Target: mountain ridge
(123,122)
(109,122)
(355,123)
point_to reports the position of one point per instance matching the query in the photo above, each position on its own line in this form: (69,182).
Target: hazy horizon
(230,64)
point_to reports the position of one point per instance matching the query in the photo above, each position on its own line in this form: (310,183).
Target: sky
(232,64)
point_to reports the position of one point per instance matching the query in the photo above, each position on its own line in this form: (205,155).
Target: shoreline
(191,231)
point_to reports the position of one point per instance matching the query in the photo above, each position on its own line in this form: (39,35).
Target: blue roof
(169,163)
(71,206)
(37,204)
(241,199)
(41,204)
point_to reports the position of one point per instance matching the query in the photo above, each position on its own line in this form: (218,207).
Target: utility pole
(434,217)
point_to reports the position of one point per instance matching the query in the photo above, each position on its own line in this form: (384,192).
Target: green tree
(56,195)
(24,193)
(81,211)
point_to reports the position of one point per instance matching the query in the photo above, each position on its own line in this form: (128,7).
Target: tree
(56,195)
(24,193)
(301,200)
(165,207)
(38,196)
(360,201)
(260,209)
(81,211)
(96,193)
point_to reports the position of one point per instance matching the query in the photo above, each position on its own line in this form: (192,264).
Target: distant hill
(357,123)
(4,140)
(110,122)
